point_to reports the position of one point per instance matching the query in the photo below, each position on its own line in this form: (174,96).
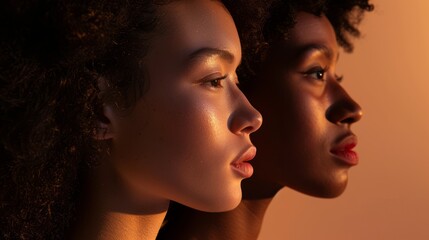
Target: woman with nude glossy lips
(187,138)
(137,103)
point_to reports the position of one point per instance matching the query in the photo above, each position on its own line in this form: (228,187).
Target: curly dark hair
(53,54)
(262,23)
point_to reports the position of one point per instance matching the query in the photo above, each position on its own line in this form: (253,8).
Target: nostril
(245,121)
(255,125)
(343,109)
(249,129)
(348,120)
(342,113)
(352,117)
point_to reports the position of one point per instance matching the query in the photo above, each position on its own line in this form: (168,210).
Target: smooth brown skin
(306,113)
(179,140)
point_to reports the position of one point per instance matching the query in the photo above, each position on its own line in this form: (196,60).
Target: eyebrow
(210,52)
(316,47)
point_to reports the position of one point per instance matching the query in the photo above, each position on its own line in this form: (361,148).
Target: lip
(241,165)
(344,150)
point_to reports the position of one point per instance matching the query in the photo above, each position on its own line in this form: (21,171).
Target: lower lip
(243,169)
(348,156)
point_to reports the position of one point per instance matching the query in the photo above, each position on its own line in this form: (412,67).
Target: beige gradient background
(388,193)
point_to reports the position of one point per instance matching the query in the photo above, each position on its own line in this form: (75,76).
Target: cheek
(303,125)
(311,117)
(172,141)
(192,121)
(307,107)
(199,136)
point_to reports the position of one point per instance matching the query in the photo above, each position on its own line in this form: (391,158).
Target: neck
(109,210)
(114,225)
(245,221)
(242,223)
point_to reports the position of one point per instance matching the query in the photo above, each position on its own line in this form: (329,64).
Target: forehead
(195,24)
(312,30)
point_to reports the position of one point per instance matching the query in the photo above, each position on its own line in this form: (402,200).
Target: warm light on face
(183,138)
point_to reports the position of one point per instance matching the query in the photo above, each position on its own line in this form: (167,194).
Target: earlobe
(104,126)
(104,129)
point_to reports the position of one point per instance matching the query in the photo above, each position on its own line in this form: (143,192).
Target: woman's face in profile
(306,142)
(187,138)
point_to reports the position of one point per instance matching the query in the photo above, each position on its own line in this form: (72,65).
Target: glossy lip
(344,150)
(241,165)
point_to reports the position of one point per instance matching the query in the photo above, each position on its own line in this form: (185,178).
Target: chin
(323,189)
(215,203)
(331,192)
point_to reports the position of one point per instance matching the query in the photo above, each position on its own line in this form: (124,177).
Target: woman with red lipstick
(110,109)
(290,49)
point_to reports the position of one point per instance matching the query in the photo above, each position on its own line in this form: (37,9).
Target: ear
(105,130)
(105,114)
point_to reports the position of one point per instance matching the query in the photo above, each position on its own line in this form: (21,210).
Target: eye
(216,82)
(316,73)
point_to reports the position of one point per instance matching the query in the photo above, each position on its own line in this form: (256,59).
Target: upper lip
(346,143)
(247,155)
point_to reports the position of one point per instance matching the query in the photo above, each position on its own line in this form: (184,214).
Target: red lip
(241,165)
(344,150)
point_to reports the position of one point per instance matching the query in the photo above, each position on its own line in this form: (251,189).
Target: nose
(245,119)
(344,110)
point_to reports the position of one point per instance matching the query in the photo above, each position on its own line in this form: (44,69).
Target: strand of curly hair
(52,54)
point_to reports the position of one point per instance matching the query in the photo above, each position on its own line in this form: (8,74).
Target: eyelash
(339,78)
(216,83)
(320,74)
